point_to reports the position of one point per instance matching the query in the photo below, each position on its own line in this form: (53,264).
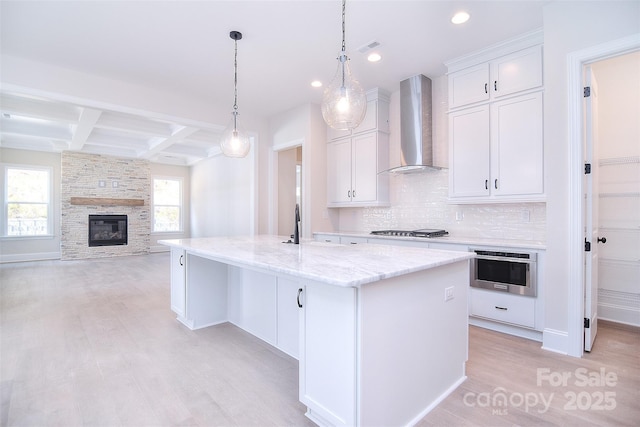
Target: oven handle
(507,259)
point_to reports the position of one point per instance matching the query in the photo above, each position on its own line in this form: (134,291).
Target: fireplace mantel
(102,201)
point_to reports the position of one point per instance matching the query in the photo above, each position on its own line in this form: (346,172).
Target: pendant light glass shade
(235,142)
(344,103)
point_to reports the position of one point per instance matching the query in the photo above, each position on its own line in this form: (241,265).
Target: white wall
(568,27)
(34,248)
(303,126)
(223,196)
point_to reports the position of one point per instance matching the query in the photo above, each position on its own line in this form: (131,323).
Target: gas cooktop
(424,232)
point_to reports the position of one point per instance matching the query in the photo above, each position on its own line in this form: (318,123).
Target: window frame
(5,199)
(180,206)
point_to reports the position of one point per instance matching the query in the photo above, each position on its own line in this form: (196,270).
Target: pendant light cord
(235,77)
(344,3)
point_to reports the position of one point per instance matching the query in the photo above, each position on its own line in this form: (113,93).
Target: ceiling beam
(182,133)
(87,122)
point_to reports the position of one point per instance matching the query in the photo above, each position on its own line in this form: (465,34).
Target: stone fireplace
(104,186)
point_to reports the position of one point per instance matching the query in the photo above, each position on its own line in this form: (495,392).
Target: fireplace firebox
(107,230)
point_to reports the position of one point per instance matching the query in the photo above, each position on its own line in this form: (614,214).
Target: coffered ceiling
(183,47)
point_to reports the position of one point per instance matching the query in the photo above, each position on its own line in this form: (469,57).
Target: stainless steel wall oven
(505,271)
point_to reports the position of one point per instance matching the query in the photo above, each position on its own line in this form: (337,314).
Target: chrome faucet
(296,230)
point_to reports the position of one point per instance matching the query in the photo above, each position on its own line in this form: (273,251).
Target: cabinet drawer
(503,307)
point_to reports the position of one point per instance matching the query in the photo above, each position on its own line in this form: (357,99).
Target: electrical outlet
(459,216)
(448,293)
(526,216)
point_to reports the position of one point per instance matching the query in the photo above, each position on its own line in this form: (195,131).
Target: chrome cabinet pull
(486,184)
(349,194)
(180,261)
(485,88)
(495,85)
(354,193)
(602,240)
(495,184)
(298,297)
(502,308)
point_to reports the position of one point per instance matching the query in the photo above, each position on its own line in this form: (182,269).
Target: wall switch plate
(448,293)
(114,184)
(526,216)
(102,183)
(459,216)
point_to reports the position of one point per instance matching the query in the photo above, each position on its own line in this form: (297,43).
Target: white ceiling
(184,47)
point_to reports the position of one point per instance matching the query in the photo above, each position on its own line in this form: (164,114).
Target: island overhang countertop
(335,264)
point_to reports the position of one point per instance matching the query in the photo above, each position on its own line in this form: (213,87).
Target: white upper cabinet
(355,158)
(496,124)
(516,146)
(470,152)
(469,86)
(506,75)
(376,117)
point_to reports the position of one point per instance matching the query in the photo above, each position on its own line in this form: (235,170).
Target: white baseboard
(555,341)
(41,256)
(506,329)
(620,307)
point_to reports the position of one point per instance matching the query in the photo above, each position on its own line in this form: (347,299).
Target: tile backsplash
(421,201)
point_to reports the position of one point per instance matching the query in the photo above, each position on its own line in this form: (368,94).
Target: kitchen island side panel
(413,343)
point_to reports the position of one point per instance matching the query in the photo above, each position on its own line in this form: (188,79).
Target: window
(27,198)
(167,204)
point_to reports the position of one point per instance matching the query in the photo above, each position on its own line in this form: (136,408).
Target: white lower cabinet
(178,281)
(347,240)
(328,353)
(503,307)
(288,316)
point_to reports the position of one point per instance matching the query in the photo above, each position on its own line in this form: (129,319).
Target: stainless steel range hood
(416,139)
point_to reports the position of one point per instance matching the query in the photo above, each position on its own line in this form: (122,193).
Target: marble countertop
(335,264)
(459,240)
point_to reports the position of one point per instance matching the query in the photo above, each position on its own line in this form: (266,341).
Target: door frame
(575,66)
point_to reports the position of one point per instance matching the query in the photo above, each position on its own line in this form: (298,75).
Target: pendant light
(235,142)
(344,103)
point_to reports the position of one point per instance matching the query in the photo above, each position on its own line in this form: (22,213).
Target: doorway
(577,289)
(289,188)
(618,204)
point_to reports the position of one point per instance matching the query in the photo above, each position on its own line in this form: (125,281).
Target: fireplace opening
(107,230)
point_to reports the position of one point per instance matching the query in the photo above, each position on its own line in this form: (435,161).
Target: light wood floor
(94,343)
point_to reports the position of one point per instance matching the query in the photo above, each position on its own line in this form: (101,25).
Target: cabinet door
(328,353)
(288,316)
(178,290)
(469,152)
(365,168)
(469,85)
(339,171)
(517,72)
(370,121)
(517,146)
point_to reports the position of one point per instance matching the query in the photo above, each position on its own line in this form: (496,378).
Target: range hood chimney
(416,139)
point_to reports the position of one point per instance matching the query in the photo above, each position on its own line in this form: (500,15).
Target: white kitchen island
(380,332)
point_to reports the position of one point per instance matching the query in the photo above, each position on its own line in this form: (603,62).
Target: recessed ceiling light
(316,83)
(374,57)
(460,18)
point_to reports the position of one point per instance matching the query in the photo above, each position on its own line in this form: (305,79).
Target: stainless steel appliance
(423,232)
(505,271)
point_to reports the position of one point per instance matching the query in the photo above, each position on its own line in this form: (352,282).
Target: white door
(591,210)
